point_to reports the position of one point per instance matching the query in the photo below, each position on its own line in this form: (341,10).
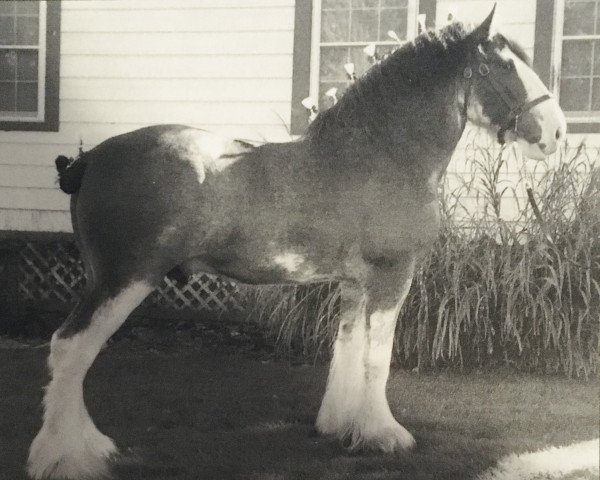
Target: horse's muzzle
(550,125)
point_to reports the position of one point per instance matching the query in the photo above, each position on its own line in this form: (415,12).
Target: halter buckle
(484,70)
(468,73)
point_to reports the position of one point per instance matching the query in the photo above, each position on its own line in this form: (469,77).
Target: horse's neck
(429,128)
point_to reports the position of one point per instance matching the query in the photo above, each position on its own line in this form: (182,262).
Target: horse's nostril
(542,146)
(558,134)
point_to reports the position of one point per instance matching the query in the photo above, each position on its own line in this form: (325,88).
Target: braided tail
(70,173)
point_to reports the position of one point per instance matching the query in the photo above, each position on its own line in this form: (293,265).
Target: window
(567,57)
(346,28)
(331,33)
(29,59)
(579,46)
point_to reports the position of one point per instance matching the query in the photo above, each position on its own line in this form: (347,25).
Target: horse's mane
(397,84)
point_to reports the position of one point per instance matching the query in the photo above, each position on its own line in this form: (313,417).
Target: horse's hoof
(392,438)
(52,459)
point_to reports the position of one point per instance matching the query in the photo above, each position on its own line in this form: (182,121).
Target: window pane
(27,97)
(365,3)
(7,30)
(596,95)
(27,65)
(360,60)
(393,20)
(334,26)
(27,7)
(575,94)
(577,58)
(597,57)
(8,64)
(336,4)
(333,60)
(364,26)
(579,17)
(27,30)
(332,63)
(394,3)
(7,96)
(7,8)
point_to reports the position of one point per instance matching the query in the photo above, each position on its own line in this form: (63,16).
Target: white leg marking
(375,426)
(69,446)
(355,404)
(346,381)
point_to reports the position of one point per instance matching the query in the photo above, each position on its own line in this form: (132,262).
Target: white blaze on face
(548,113)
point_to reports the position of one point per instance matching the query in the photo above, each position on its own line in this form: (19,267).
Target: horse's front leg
(355,407)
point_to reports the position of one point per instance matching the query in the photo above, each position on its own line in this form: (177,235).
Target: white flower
(370,50)
(332,92)
(394,36)
(349,67)
(309,103)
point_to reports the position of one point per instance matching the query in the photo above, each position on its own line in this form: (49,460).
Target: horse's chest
(402,222)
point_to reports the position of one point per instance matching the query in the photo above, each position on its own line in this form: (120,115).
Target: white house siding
(225,65)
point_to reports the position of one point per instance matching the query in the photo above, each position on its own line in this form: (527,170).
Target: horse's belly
(273,259)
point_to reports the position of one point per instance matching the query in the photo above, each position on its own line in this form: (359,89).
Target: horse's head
(507,97)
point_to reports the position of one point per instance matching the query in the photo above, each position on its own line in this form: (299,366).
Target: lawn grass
(202,414)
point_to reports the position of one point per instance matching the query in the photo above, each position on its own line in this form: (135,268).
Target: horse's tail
(70,173)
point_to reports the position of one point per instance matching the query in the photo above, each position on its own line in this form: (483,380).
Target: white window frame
(412,28)
(41,80)
(559,17)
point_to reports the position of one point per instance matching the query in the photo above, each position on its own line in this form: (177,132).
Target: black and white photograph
(299,239)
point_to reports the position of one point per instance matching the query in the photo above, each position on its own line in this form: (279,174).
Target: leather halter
(511,121)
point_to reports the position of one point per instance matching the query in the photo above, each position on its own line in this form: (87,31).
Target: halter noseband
(516,110)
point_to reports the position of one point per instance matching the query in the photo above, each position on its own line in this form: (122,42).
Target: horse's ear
(482,32)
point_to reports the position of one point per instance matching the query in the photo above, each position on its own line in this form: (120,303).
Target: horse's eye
(510,66)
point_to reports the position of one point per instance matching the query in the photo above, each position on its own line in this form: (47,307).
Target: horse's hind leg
(69,446)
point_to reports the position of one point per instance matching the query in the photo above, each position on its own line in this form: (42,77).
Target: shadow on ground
(196,414)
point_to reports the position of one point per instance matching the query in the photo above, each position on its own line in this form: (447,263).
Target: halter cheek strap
(511,121)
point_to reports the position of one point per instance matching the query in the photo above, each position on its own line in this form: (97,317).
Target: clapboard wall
(225,65)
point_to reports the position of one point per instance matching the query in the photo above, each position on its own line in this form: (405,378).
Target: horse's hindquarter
(145,197)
